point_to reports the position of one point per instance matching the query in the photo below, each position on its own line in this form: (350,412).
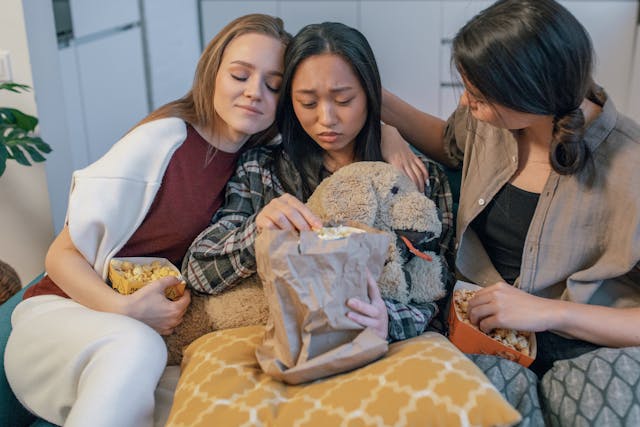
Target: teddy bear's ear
(348,198)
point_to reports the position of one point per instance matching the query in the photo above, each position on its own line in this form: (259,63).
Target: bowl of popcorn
(129,274)
(518,346)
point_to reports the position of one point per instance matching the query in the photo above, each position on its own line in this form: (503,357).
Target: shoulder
(263,156)
(142,152)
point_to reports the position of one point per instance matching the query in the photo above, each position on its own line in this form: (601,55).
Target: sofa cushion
(599,388)
(421,381)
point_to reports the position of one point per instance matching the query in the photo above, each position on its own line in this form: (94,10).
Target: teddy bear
(371,194)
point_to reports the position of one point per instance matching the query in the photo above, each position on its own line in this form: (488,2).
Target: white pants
(75,366)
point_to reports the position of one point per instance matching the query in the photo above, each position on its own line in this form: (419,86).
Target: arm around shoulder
(422,130)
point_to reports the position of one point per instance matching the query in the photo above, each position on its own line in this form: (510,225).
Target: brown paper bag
(307,282)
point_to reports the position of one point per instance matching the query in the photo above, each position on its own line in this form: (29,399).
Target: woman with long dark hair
(329,117)
(549,216)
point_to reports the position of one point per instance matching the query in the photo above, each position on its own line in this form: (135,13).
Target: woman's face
(247,85)
(494,114)
(329,102)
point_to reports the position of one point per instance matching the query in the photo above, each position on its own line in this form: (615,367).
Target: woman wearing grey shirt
(549,215)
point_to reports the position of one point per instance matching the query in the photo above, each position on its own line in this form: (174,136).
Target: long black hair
(352,46)
(532,56)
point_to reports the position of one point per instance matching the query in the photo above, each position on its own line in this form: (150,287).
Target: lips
(328,136)
(250,109)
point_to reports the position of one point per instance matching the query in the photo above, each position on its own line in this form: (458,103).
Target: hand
(396,150)
(372,315)
(287,213)
(503,306)
(150,305)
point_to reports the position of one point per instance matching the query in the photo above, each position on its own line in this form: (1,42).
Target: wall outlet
(5,66)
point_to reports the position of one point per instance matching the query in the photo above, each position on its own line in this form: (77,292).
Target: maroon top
(192,190)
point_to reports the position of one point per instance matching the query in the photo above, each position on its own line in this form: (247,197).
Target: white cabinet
(405,36)
(172,35)
(412,39)
(93,16)
(112,83)
(103,76)
(297,14)
(214,15)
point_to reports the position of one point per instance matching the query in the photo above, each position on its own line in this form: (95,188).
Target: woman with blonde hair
(80,353)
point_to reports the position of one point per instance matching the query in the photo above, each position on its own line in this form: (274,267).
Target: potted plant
(19,142)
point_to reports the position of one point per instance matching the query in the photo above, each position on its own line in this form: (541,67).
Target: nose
(253,88)
(326,114)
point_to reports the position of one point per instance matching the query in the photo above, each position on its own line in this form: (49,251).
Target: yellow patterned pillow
(422,381)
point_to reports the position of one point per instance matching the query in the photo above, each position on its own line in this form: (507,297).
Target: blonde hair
(196,107)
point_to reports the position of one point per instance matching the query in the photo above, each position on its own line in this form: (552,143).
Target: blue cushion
(12,413)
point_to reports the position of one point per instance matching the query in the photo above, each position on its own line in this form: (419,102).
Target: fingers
(367,322)
(478,312)
(183,302)
(287,213)
(422,172)
(363,308)
(372,288)
(164,282)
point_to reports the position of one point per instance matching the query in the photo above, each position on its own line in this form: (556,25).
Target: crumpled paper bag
(307,282)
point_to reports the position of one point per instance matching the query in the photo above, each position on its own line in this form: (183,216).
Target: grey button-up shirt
(583,243)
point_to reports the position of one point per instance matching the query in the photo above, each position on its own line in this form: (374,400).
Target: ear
(349,198)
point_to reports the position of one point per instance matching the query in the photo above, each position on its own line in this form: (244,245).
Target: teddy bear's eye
(394,190)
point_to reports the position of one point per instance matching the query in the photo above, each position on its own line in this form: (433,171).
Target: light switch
(5,66)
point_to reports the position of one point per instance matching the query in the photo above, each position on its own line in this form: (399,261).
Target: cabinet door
(112,84)
(73,105)
(405,36)
(297,14)
(611,25)
(92,16)
(172,54)
(215,15)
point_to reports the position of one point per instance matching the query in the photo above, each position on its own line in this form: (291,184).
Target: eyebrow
(250,65)
(333,90)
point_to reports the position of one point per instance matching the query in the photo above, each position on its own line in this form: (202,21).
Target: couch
(12,413)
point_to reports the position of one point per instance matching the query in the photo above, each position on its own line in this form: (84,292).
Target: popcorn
(517,340)
(334,233)
(127,275)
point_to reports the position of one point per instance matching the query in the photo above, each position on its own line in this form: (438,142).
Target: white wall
(26,228)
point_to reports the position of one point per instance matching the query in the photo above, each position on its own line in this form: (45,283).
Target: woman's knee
(141,347)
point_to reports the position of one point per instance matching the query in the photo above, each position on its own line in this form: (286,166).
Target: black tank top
(502,228)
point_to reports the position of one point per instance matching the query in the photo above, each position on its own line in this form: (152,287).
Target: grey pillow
(599,388)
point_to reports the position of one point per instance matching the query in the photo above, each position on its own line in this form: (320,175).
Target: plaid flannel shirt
(224,252)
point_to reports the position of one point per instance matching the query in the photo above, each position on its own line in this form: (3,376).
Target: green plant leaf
(41,145)
(14,87)
(17,154)
(3,165)
(35,156)
(19,119)
(4,154)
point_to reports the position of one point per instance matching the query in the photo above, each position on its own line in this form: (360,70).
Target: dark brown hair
(532,56)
